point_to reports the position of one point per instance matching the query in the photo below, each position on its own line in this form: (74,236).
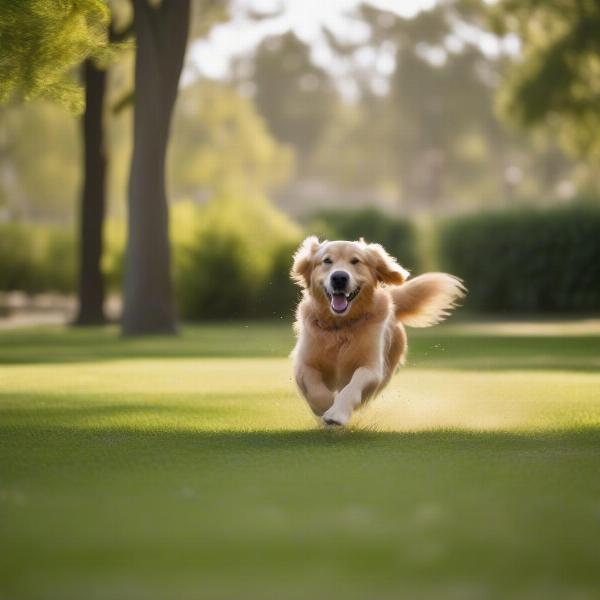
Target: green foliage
(278,296)
(232,257)
(57,262)
(220,143)
(223,145)
(526,261)
(37,258)
(15,258)
(296,97)
(433,141)
(229,259)
(42,41)
(555,82)
(443,133)
(40,150)
(398,236)
(113,257)
(356,127)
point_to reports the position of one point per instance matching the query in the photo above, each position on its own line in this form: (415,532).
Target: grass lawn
(188,468)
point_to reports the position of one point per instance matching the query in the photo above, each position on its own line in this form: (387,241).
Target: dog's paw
(336,416)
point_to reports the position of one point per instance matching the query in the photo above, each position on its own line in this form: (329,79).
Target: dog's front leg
(318,396)
(363,384)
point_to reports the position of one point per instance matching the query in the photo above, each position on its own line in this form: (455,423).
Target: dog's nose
(339,280)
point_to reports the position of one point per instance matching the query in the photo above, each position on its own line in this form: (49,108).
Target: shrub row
(526,261)
(232,258)
(37,258)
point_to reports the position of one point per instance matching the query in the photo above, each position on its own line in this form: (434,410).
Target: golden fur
(343,360)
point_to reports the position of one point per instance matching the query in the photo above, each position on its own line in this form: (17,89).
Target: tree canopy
(556,81)
(46,40)
(223,145)
(296,97)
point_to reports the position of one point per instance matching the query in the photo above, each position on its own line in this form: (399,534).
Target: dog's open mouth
(340,301)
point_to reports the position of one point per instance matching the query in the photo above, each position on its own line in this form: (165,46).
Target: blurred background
(461,134)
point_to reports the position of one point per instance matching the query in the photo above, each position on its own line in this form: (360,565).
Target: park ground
(188,468)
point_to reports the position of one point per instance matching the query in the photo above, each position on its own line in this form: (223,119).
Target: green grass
(188,468)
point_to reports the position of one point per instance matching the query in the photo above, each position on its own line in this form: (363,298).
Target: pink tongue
(339,302)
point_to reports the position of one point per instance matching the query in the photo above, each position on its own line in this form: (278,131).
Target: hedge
(232,260)
(37,258)
(526,261)
(520,261)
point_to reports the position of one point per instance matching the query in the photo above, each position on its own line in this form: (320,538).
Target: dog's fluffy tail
(427,299)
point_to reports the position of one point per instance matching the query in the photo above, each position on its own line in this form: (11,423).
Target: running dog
(350,321)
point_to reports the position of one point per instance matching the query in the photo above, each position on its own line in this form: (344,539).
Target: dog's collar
(346,324)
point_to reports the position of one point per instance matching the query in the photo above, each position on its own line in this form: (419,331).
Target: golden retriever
(349,323)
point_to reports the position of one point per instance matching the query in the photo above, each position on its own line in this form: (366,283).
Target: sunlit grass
(186,468)
(259,395)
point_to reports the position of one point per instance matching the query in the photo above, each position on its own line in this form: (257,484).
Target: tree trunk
(92,207)
(161,33)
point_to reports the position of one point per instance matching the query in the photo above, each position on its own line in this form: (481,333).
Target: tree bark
(92,204)
(161,33)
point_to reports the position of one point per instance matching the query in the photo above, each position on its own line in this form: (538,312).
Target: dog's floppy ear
(386,268)
(303,261)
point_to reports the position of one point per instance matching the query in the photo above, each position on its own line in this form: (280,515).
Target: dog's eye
(354,261)
(327,261)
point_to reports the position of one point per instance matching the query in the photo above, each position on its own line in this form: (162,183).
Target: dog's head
(343,275)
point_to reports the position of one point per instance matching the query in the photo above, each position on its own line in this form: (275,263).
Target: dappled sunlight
(485,401)
(182,395)
(259,395)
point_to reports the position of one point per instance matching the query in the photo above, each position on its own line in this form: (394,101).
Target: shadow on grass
(327,512)
(127,424)
(219,340)
(428,349)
